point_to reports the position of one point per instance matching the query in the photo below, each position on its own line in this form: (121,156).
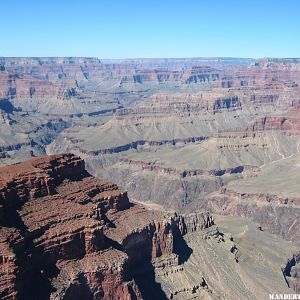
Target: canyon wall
(68,235)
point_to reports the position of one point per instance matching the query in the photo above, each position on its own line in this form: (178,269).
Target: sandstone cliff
(67,235)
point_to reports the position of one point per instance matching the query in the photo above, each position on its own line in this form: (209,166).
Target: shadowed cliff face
(150,289)
(75,236)
(6,106)
(158,239)
(291,272)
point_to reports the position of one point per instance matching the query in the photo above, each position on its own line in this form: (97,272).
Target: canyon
(204,148)
(67,235)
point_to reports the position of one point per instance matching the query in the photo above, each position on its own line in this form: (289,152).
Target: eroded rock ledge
(151,166)
(67,235)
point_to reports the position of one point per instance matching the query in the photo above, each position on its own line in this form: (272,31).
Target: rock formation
(68,235)
(291,272)
(192,145)
(187,134)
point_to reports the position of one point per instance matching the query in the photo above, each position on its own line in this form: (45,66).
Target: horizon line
(157,58)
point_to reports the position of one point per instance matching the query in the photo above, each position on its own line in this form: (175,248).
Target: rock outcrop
(291,272)
(67,235)
(265,209)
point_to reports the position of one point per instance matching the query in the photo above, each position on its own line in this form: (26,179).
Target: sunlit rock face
(78,236)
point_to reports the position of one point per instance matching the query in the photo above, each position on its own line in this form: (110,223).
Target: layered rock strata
(67,235)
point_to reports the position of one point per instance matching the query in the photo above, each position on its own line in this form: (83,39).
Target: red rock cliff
(67,235)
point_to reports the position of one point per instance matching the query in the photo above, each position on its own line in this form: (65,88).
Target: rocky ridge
(78,236)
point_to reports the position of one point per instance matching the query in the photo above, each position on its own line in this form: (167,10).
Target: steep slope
(67,235)
(78,236)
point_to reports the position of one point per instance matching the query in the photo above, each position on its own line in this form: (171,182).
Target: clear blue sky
(150,28)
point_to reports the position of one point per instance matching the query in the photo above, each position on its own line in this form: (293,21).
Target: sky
(150,28)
